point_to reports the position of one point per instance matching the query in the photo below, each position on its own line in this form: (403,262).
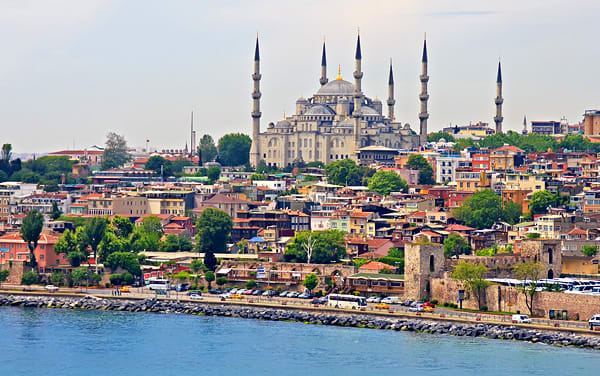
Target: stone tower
(498,100)
(323,80)
(524,125)
(424,97)
(391,101)
(545,251)
(357,114)
(256,76)
(422,262)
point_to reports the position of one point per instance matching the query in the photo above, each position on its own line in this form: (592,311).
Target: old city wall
(16,269)
(509,299)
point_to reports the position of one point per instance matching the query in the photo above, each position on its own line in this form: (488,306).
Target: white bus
(346,301)
(157,284)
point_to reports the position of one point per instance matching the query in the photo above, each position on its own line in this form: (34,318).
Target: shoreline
(347,319)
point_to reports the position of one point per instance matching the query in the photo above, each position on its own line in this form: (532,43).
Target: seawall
(318,318)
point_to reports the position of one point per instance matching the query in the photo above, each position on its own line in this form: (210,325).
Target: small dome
(319,110)
(301,100)
(442,140)
(337,87)
(283,124)
(406,126)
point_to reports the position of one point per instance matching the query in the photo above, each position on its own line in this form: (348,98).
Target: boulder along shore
(274,314)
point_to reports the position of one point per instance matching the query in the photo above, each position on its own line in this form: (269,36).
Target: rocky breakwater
(307,317)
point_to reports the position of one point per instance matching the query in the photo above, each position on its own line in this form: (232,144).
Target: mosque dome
(336,87)
(282,124)
(318,110)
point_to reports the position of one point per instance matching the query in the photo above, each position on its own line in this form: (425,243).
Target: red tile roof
(457,227)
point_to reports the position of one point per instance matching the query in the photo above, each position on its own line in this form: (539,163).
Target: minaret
(391,101)
(357,114)
(255,148)
(323,80)
(423,97)
(498,100)
(524,124)
(192,137)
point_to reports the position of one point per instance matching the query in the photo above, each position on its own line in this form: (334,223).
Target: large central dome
(337,87)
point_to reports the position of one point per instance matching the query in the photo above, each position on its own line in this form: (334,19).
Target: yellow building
(505,157)
(580,265)
(469,181)
(361,224)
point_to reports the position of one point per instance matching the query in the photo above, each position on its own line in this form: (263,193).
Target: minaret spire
(499,100)
(524,124)
(256,76)
(391,101)
(323,80)
(358,96)
(424,96)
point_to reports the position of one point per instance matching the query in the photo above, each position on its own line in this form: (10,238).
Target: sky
(71,71)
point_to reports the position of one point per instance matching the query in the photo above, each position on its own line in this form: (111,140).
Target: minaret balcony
(357,75)
(423,115)
(256,114)
(498,119)
(424,78)
(499,100)
(424,97)
(391,102)
(256,95)
(256,76)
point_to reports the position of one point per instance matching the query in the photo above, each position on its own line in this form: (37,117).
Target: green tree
(209,276)
(3,276)
(30,232)
(178,164)
(213,173)
(251,284)
(541,200)
(530,272)
(480,210)
(385,182)
(210,261)
(207,151)
(347,172)
(435,137)
(126,261)
(151,225)
(93,233)
(197,266)
(80,275)
(311,281)
(461,144)
(55,213)
(110,244)
(221,281)
(57,278)
(589,250)
(512,212)
(575,142)
(171,244)
(116,153)
(29,278)
(213,228)
(259,177)
(471,275)
(123,226)
(456,245)
(185,244)
(418,162)
(160,166)
(234,149)
(329,246)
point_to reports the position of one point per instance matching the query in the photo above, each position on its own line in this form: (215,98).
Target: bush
(484,308)
(251,284)
(107,284)
(221,281)
(29,278)
(445,304)
(116,279)
(434,301)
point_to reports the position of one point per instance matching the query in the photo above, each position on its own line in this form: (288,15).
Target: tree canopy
(310,281)
(329,245)
(207,151)
(385,182)
(156,162)
(484,208)
(541,200)
(435,137)
(418,162)
(213,227)
(456,245)
(234,149)
(530,271)
(472,276)
(347,172)
(30,231)
(116,153)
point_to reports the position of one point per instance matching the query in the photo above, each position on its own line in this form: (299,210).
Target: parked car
(237,296)
(215,292)
(428,308)
(408,302)
(417,308)
(248,292)
(269,293)
(181,287)
(316,301)
(521,319)
(283,294)
(51,288)
(391,300)
(225,295)
(196,297)
(125,289)
(293,294)
(194,292)
(305,295)
(428,304)
(594,322)
(232,291)
(382,306)
(372,299)
(256,292)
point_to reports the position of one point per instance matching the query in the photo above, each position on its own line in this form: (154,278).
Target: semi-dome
(318,110)
(366,110)
(337,87)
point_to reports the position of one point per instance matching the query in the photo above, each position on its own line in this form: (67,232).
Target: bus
(346,301)
(157,284)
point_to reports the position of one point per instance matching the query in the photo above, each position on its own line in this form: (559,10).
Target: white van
(594,322)
(391,300)
(521,319)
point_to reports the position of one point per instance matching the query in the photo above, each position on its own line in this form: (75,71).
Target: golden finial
(323,38)
(283,115)
(359,30)
(339,76)
(425,36)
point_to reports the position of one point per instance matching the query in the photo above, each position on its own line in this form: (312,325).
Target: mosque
(336,122)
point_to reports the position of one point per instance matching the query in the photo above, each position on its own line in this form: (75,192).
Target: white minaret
(498,100)
(391,101)
(357,114)
(423,97)
(256,76)
(524,124)
(323,80)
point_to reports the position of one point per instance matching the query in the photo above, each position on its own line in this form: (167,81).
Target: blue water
(73,342)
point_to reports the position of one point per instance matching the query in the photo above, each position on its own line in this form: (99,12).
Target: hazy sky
(71,71)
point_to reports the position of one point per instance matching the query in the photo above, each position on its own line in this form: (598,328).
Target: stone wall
(422,262)
(16,269)
(509,299)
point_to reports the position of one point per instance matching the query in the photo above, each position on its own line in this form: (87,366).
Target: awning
(296,275)
(224,271)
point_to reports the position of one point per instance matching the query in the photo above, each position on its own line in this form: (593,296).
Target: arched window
(549,255)
(550,274)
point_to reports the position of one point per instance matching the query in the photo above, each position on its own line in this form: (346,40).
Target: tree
(435,137)
(160,166)
(79,275)
(30,232)
(57,278)
(221,281)
(207,151)
(234,149)
(3,276)
(347,172)
(123,226)
(541,200)
(213,228)
(115,151)
(55,213)
(311,281)
(210,261)
(213,173)
(110,244)
(480,210)
(385,182)
(93,233)
(126,261)
(29,278)
(329,246)
(589,250)
(152,225)
(461,144)
(456,245)
(251,284)
(209,276)
(530,273)
(185,244)
(171,244)
(418,162)
(512,212)
(471,275)
(197,266)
